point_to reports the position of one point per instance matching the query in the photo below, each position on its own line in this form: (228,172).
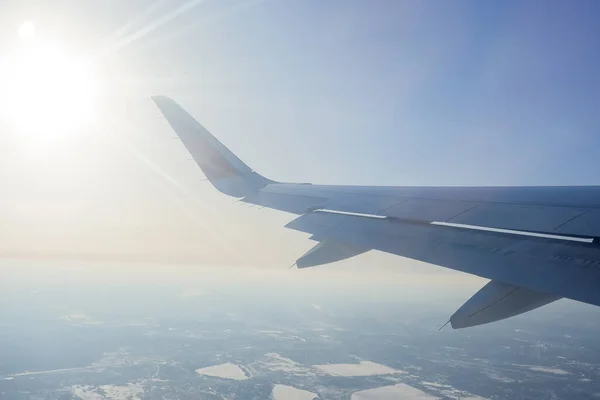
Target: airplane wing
(535,244)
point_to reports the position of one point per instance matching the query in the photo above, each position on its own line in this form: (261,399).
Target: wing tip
(159,98)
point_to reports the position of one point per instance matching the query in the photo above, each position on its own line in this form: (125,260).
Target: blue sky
(391,92)
(356,91)
(337,91)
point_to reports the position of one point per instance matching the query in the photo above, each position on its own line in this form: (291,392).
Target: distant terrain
(127,342)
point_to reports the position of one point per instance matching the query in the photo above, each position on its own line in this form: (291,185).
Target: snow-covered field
(227,371)
(129,392)
(394,392)
(538,368)
(364,368)
(283,392)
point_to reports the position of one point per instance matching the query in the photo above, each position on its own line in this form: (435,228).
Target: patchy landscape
(256,346)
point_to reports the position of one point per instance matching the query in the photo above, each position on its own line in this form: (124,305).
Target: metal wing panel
(478,208)
(361,203)
(562,268)
(296,204)
(336,200)
(428,210)
(559,196)
(519,217)
(586,224)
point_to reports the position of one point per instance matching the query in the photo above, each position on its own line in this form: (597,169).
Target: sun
(44,88)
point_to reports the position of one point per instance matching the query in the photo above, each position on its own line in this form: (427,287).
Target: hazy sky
(337,91)
(390,92)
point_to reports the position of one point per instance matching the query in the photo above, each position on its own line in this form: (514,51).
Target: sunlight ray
(153,26)
(157,4)
(206,20)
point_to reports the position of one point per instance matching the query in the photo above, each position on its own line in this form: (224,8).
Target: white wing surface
(537,244)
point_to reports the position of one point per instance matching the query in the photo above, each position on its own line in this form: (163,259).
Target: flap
(496,301)
(327,252)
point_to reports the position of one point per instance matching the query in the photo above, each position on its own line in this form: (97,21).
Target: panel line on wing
(572,219)
(514,232)
(506,295)
(397,203)
(352,213)
(464,212)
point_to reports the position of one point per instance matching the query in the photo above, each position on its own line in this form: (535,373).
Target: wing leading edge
(536,244)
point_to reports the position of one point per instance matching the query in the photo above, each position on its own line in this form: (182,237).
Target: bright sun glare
(42,87)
